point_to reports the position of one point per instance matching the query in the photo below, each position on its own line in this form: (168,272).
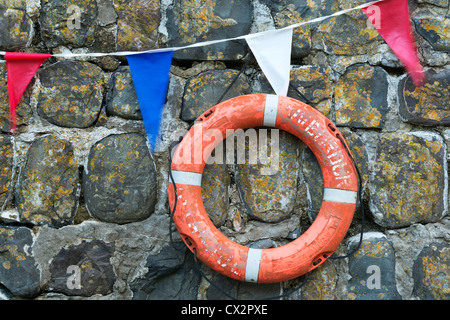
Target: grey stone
(285,13)
(321,283)
(204,90)
(6,168)
(372,269)
(439,3)
(106,13)
(431,273)
(120,183)
(227,285)
(48,187)
(255,291)
(16,26)
(361,97)
(18,272)
(192,21)
(426,105)
(409,180)
(268,190)
(137,24)
(215,183)
(435,30)
(83,270)
(69,23)
(171,276)
(122,100)
(345,35)
(79,87)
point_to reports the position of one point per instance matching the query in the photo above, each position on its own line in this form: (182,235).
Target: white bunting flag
(272,49)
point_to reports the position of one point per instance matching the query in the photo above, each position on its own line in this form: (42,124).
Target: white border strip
(185,177)
(340,196)
(207,43)
(271,110)
(252,267)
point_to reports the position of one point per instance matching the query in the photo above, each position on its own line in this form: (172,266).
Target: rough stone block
(268,186)
(427,105)
(286,13)
(192,21)
(48,187)
(361,97)
(409,182)
(435,30)
(6,168)
(121,99)
(120,183)
(171,276)
(68,23)
(83,270)
(137,24)
(321,283)
(204,90)
(18,272)
(347,34)
(16,26)
(431,273)
(71,94)
(215,183)
(315,83)
(372,269)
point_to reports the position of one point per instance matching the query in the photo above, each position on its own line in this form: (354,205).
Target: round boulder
(119,180)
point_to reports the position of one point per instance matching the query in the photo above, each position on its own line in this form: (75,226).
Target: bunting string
(150,69)
(211,42)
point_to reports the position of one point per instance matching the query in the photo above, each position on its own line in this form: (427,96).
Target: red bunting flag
(21,68)
(391,19)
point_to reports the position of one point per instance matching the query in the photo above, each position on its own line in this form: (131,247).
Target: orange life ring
(314,246)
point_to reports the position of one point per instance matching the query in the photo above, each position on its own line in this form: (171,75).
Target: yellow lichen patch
(369,33)
(315,82)
(430,101)
(270,197)
(410,179)
(354,99)
(435,30)
(322,283)
(378,250)
(346,35)
(80,92)
(437,274)
(215,183)
(198,17)
(48,181)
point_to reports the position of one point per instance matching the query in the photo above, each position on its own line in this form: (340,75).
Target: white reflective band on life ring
(338,195)
(185,177)
(252,267)
(271,111)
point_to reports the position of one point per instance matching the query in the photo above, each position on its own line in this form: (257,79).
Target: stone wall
(83,202)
